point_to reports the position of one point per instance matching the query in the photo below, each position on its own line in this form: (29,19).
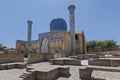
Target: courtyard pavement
(13,74)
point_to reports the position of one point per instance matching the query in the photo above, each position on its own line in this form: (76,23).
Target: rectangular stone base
(51,74)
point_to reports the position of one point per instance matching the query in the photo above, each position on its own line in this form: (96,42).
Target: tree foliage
(2,48)
(101,44)
(26,52)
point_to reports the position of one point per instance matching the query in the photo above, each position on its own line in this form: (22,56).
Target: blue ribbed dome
(58,24)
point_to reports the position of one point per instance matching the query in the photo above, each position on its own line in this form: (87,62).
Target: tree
(26,52)
(111,44)
(91,44)
(102,44)
(3,48)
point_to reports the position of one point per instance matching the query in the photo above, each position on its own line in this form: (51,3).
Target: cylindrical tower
(29,30)
(71,9)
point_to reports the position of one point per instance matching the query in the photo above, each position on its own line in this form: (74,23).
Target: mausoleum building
(59,41)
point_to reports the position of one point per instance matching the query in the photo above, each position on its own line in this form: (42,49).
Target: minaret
(29,30)
(71,9)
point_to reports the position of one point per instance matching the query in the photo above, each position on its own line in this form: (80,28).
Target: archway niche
(44,46)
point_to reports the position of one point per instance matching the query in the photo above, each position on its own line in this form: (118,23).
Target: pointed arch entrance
(44,46)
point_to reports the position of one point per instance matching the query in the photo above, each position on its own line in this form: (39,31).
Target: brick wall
(106,52)
(100,62)
(38,57)
(11,57)
(105,62)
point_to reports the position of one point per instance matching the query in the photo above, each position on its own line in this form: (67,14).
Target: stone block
(85,73)
(20,66)
(52,74)
(115,63)
(64,72)
(72,62)
(40,75)
(51,61)
(11,66)
(47,75)
(30,76)
(98,79)
(80,57)
(2,67)
(58,62)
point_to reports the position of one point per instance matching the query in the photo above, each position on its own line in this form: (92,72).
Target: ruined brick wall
(67,44)
(11,57)
(32,58)
(38,57)
(80,42)
(105,62)
(21,46)
(107,52)
(35,46)
(100,62)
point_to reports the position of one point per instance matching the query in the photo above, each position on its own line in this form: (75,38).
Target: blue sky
(100,19)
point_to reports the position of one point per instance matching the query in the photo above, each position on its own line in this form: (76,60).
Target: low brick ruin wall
(12,66)
(86,56)
(65,62)
(99,62)
(107,52)
(105,62)
(11,57)
(72,62)
(38,57)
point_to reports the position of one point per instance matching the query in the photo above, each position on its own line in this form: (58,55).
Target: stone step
(24,75)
